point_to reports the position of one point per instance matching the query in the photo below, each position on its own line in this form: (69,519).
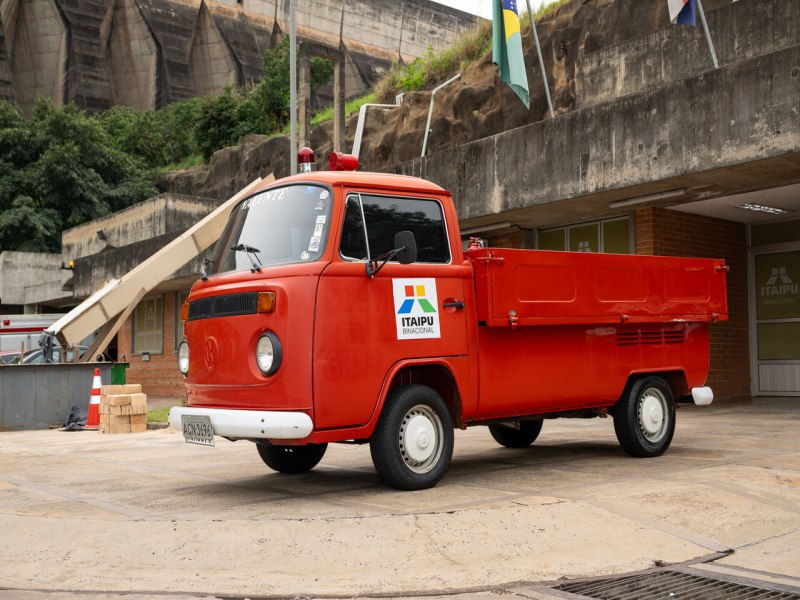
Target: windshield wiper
(206,262)
(252,254)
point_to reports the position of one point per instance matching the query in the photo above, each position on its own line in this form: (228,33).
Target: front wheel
(412,444)
(644,418)
(291,459)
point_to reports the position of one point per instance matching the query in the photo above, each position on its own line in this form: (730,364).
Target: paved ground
(87,515)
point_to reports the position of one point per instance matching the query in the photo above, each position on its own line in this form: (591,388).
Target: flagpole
(708,34)
(541,61)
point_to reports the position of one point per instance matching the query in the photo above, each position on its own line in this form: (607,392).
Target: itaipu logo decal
(415,309)
(779,288)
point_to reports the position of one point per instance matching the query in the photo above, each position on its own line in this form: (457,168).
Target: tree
(268,103)
(57,170)
(219,124)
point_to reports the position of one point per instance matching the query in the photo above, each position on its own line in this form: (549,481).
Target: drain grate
(671,585)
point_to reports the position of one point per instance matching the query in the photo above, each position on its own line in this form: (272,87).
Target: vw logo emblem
(211,351)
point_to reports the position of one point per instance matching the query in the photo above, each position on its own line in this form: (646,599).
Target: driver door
(365,325)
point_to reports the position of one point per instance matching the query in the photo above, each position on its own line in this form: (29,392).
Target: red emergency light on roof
(343,162)
(306,159)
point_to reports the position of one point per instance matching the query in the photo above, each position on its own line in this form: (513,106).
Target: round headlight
(268,353)
(183,357)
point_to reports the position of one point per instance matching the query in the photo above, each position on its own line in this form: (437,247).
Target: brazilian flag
(507,48)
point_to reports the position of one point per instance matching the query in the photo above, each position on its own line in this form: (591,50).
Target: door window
(371,222)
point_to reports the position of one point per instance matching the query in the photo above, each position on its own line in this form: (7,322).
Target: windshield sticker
(264,198)
(320,205)
(318,229)
(313,245)
(321,219)
(415,310)
(323,195)
(304,255)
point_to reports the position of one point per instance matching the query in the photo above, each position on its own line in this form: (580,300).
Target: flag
(683,12)
(507,48)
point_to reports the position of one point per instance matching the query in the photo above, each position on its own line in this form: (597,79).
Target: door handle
(454,304)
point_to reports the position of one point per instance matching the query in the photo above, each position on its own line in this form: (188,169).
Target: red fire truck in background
(19,333)
(340,307)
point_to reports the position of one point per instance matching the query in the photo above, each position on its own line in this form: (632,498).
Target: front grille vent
(223,306)
(672,585)
(649,338)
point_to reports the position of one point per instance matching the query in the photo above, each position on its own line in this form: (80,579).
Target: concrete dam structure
(148,53)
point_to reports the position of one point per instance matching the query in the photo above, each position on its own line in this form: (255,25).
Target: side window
(386,216)
(353,243)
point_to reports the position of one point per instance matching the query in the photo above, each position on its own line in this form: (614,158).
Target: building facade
(687,161)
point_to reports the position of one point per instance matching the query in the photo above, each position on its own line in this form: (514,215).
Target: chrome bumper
(702,396)
(265,424)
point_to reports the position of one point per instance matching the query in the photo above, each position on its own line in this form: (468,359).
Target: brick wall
(662,232)
(160,376)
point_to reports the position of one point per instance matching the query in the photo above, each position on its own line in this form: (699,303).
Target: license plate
(197,429)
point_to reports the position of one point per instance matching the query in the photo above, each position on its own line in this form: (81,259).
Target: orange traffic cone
(93,419)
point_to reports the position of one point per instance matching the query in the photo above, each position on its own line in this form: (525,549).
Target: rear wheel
(516,435)
(644,418)
(412,444)
(291,459)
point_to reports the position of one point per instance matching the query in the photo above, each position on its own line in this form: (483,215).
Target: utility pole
(293,85)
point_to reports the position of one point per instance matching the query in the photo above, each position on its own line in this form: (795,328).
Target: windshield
(276,227)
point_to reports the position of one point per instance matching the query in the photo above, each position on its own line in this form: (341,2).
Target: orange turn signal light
(266,302)
(185,312)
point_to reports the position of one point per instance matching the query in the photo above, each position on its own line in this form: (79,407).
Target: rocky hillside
(474,107)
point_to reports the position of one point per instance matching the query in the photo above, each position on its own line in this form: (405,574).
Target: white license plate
(197,429)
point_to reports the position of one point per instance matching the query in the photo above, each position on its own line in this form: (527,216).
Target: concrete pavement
(151,515)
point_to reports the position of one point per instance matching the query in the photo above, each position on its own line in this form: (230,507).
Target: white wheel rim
(653,416)
(420,439)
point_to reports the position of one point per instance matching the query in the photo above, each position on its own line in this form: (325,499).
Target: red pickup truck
(341,307)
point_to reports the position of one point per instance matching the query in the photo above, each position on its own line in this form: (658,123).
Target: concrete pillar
(339,76)
(304,105)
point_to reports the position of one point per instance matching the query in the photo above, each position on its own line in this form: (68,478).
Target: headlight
(183,357)
(268,353)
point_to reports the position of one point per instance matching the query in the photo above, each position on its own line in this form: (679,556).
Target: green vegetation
(159,415)
(350,107)
(61,167)
(429,70)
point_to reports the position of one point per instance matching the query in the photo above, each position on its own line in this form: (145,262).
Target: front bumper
(249,424)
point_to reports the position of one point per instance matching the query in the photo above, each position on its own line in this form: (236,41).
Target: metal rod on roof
(362,116)
(541,61)
(430,111)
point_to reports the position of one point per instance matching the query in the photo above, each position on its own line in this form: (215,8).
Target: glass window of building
(611,236)
(148,320)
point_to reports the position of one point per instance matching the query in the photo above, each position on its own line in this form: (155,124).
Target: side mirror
(406,241)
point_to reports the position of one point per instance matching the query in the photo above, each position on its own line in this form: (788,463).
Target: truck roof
(364,180)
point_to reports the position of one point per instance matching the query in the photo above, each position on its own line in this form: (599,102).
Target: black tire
(412,414)
(291,459)
(511,437)
(644,418)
